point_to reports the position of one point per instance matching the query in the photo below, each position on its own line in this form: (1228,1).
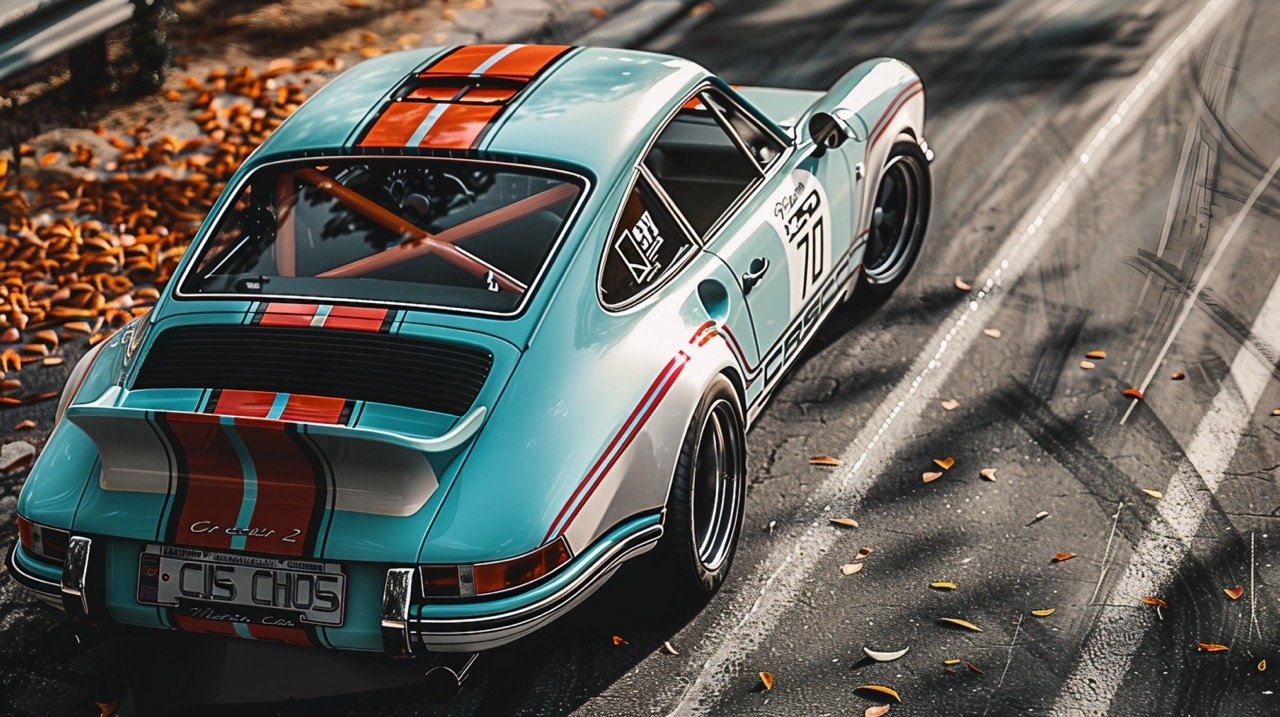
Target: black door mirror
(827,131)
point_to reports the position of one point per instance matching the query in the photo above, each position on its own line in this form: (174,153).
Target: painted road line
(1123,621)
(1190,302)
(747,621)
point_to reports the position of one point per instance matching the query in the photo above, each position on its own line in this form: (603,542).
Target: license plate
(242,588)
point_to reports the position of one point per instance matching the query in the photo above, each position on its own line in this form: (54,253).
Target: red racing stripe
(208,627)
(212,483)
(355,318)
(313,409)
(526,62)
(253,404)
(287,635)
(463,61)
(291,493)
(279,314)
(459,126)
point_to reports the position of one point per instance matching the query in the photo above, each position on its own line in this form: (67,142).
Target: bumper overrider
(411,624)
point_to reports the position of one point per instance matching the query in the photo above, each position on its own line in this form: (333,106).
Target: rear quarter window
(647,246)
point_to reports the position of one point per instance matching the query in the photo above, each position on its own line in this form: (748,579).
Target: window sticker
(638,246)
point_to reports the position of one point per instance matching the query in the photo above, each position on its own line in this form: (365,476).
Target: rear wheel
(705,506)
(899,219)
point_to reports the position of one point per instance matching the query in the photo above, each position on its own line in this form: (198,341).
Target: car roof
(592,108)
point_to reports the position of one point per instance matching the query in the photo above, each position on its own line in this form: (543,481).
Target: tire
(700,535)
(899,220)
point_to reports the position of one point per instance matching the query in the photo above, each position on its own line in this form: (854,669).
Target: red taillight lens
(439,580)
(42,541)
(507,574)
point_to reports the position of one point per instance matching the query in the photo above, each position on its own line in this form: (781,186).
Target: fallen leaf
(1096,355)
(962,285)
(25,425)
(951,404)
(942,585)
(945,463)
(1044,613)
(863,553)
(1177,375)
(1262,666)
(876,711)
(668,648)
(619,641)
(1154,601)
(988,473)
(1087,365)
(1132,393)
(1212,647)
(1153,493)
(992,333)
(931,476)
(1039,517)
(960,623)
(824,461)
(772,524)
(1061,557)
(850,568)
(880,690)
(948,670)
(766,679)
(885,656)
(974,668)
(598,12)
(1275,412)
(845,522)
(107,709)
(1234,593)
(52,361)
(951,662)
(702,8)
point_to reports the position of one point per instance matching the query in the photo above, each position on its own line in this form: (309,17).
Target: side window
(700,165)
(760,142)
(646,245)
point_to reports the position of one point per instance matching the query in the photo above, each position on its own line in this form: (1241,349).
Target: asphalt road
(1104,182)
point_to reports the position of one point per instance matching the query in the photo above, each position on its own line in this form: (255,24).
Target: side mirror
(828,132)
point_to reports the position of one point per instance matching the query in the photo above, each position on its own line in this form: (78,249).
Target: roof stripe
(463,61)
(527,62)
(427,122)
(397,124)
(497,57)
(460,126)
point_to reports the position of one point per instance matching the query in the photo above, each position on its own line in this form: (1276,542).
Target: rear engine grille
(430,375)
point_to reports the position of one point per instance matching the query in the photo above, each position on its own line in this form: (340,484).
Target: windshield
(451,234)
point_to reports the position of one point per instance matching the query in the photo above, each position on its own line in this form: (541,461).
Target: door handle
(754,273)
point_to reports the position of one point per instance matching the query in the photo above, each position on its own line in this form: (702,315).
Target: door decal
(802,217)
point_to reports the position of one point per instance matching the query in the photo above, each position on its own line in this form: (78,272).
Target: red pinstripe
(280,314)
(355,318)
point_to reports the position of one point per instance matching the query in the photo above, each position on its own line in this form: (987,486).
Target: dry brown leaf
(1088,365)
(1234,593)
(931,476)
(850,568)
(974,668)
(668,648)
(992,333)
(1153,493)
(876,711)
(1045,612)
(107,709)
(988,473)
(599,12)
(52,361)
(951,404)
(50,159)
(1275,412)
(963,285)
(1096,355)
(25,425)
(960,623)
(1212,647)
(845,522)
(948,670)
(1262,665)
(766,679)
(880,690)
(1177,376)
(879,656)
(942,585)
(1132,393)
(1039,517)
(824,461)
(618,641)
(951,662)
(1061,557)
(945,463)
(702,8)
(1154,601)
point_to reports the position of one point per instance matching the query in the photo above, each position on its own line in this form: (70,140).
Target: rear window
(452,234)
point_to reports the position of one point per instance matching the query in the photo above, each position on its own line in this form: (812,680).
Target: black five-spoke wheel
(899,219)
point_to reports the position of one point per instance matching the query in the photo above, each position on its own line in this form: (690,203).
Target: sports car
(472,329)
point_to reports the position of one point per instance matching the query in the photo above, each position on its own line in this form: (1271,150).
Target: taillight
(495,577)
(42,541)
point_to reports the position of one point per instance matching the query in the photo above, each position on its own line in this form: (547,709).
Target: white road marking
(1122,622)
(1190,302)
(746,623)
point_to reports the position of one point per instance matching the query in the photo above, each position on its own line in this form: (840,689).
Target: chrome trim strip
(75,572)
(43,587)
(552,604)
(397,593)
(570,225)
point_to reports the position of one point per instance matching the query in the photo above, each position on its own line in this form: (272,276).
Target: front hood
(334,441)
